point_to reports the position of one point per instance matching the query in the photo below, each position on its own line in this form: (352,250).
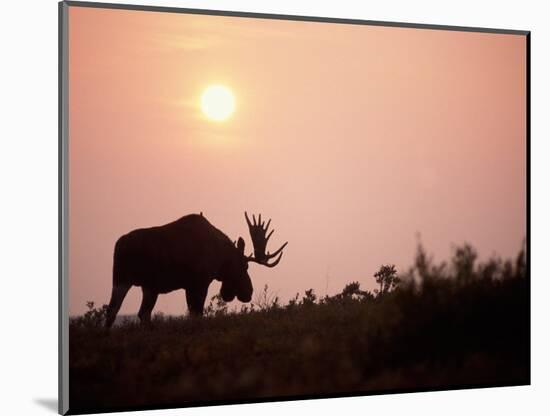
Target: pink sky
(352,138)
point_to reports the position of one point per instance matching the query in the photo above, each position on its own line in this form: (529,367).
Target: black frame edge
(528,186)
(282,399)
(63,321)
(227,13)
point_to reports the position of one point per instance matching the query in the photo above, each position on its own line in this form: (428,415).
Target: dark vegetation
(458,324)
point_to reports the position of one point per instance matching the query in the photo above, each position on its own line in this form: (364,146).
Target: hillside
(459,324)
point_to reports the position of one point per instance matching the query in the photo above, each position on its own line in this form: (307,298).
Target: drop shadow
(50,404)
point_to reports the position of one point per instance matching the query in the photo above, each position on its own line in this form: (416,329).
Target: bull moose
(189,254)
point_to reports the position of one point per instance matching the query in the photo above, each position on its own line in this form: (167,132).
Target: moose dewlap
(188,254)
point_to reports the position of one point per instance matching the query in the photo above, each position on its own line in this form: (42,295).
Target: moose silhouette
(189,254)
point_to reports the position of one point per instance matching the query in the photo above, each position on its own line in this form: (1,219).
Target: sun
(217,102)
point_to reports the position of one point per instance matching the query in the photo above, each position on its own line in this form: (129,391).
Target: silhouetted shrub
(387,278)
(265,300)
(216,307)
(93,318)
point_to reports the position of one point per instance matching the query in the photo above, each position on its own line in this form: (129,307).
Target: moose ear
(240,245)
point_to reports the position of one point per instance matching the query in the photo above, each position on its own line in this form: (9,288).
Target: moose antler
(259,241)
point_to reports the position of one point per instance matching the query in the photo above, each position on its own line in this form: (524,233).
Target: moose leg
(147,305)
(195,300)
(117,296)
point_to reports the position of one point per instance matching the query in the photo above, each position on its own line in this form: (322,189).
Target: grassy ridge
(455,324)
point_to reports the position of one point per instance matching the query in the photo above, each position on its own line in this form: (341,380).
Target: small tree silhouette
(387,278)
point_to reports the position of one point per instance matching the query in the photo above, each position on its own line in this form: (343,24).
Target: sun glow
(217,102)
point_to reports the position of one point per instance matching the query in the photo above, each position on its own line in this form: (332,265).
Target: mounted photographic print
(263,207)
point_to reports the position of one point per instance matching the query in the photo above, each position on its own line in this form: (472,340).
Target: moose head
(236,280)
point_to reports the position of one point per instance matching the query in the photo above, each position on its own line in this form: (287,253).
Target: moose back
(189,254)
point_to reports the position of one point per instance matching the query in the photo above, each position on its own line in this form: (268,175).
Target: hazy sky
(353,139)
